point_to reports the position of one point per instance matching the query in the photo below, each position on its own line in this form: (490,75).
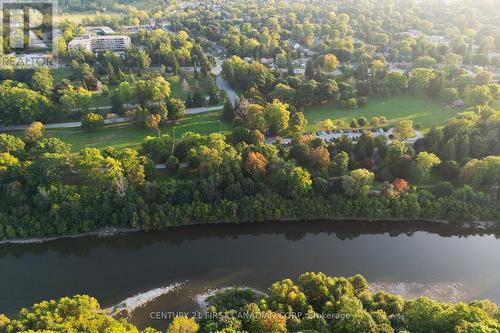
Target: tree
(393,83)
(330,62)
(358,182)
(183,325)
(42,80)
(421,169)
(400,185)
(487,45)
(448,95)
(75,314)
(50,145)
(425,62)
(137,58)
(11,144)
(484,77)
(92,121)
(452,61)
(172,164)
(420,78)
(228,111)
(34,132)
(341,164)
(176,109)
(152,91)
(327,125)
(153,122)
(404,129)
(277,116)
(423,315)
(362,121)
(7,160)
(19,105)
(482,173)
(255,163)
(309,71)
(298,122)
(124,91)
(292,180)
(255,137)
(320,159)
(213,92)
(480,95)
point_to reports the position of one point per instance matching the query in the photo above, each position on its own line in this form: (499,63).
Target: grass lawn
(421,110)
(127,135)
(176,86)
(61,73)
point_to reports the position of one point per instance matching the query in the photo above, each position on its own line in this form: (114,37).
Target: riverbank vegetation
(315,303)
(47,190)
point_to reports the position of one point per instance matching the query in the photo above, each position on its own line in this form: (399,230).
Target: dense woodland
(315,303)
(48,191)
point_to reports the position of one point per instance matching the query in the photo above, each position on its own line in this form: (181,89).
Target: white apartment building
(93,43)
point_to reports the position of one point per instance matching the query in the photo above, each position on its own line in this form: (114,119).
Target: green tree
(11,144)
(277,116)
(176,109)
(42,80)
(358,182)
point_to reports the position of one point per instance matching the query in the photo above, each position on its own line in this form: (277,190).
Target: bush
(448,95)
(362,101)
(362,121)
(92,121)
(172,164)
(352,103)
(443,189)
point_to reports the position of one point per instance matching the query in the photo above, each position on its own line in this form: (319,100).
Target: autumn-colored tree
(320,158)
(400,185)
(255,162)
(330,62)
(34,131)
(153,122)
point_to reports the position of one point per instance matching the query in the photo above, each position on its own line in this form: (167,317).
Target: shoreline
(115,231)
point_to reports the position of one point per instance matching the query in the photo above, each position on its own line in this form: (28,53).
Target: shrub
(172,164)
(92,121)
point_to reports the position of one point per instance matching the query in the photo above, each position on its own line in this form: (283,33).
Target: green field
(127,135)
(176,86)
(421,110)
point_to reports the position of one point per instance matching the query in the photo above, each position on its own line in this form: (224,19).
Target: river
(176,266)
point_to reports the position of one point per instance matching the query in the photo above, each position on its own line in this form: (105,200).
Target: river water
(175,268)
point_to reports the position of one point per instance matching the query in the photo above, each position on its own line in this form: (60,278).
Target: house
(267,61)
